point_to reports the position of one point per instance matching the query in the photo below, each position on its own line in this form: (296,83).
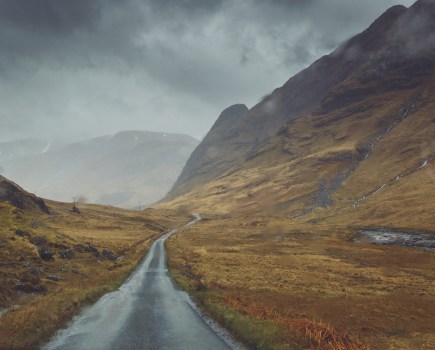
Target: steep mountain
(128,169)
(295,190)
(236,139)
(352,133)
(209,159)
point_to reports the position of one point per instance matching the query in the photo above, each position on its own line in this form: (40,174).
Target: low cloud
(75,69)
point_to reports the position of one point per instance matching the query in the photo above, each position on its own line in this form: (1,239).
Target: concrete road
(147,312)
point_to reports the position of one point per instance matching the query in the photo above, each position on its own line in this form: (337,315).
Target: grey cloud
(88,67)
(410,32)
(53,16)
(189,8)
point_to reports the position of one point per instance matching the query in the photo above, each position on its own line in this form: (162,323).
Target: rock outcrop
(12,193)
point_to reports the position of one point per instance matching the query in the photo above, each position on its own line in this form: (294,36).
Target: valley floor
(278,283)
(274,282)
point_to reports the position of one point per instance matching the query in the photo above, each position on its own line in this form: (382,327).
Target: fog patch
(270,104)
(413,34)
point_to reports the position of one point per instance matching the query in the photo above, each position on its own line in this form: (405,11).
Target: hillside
(296,191)
(300,95)
(334,134)
(209,159)
(19,198)
(54,261)
(128,169)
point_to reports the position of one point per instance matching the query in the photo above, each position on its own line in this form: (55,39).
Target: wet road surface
(147,312)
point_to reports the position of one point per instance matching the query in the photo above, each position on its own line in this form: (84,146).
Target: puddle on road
(396,238)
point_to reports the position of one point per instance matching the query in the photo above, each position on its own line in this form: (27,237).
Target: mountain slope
(335,136)
(301,94)
(342,153)
(51,266)
(126,169)
(209,159)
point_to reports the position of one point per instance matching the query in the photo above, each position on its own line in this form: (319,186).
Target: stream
(398,238)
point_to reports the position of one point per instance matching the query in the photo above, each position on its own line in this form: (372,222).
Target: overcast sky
(74,69)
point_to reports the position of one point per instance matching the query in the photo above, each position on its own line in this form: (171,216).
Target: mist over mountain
(349,132)
(128,169)
(11,150)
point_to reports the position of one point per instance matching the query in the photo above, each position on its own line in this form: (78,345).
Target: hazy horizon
(65,142)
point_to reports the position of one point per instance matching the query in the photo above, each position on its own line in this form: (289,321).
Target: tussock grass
(314,334)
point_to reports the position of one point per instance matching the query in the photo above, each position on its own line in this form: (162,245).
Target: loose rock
(30,288)
(88,248)
(67,253)
(53,278)
(22,233)
(107,253)
(45,254)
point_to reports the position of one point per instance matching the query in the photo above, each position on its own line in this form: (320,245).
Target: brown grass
(271,241)
(310,282)
(318,335)
(33,317)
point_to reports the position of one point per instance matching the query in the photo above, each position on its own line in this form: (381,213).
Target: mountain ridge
(367,99)
(307,90)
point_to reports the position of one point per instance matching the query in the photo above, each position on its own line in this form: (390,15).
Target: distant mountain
(9,151)
(353,133)
(128,169)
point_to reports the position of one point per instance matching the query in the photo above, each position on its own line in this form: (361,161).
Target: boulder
(53,278)
(45,254)
(67,253)
(29,283)
(107,253)
(27,287)
(22,233)
(88,248)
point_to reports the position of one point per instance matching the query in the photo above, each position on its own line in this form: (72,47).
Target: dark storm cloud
(68,31)
(55,16)
(186,7)
(88,67)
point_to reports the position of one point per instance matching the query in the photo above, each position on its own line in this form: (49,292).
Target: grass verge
(253,332)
